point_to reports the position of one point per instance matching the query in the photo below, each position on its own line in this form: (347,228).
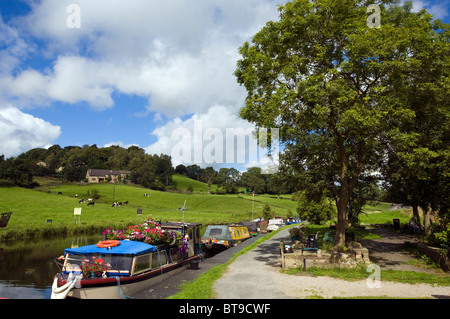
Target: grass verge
(355,274)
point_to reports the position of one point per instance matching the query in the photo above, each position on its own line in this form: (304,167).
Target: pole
(114,190)
(253,204)
(183,210)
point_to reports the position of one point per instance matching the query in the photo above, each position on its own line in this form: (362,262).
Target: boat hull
(126,287)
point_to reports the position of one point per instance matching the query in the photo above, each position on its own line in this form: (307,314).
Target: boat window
(190,233)
(175,254)
(118,263)
(142,263)
(159,258)
(215,232)
(149,261)
(197,234)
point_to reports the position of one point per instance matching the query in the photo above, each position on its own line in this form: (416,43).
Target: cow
(91,203)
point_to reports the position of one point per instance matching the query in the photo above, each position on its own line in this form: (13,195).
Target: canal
(27,268)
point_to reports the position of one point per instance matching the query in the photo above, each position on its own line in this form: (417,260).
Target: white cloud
(120,143)
(179,54)
(210,139)
(439,9)
(20,132)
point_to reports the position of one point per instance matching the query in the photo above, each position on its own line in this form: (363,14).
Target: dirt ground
(389,252)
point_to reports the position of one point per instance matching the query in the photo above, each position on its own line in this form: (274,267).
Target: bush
(316,212)
(297,233)
(93,193)
(267,212)
(440,235)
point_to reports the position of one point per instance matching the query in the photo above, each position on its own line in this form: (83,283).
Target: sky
(149,73)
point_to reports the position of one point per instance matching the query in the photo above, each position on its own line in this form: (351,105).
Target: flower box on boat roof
(126,247)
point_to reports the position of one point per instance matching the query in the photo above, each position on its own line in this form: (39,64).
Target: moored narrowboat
(218,238)
(117,269)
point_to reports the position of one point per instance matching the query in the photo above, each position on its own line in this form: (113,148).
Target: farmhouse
(101,175)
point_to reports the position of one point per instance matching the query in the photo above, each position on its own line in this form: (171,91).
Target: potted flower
(92,268)
(148,232)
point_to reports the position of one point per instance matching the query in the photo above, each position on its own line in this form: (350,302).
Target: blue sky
(130,74)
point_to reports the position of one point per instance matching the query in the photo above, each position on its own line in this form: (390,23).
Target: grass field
(33,207)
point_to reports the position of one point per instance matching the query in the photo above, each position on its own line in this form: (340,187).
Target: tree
(331,84)
(227,179)
(254,180)
(16,170)
(194,172)
(209,176)
(416,172)
(314,211)
(181,169)
(267,212)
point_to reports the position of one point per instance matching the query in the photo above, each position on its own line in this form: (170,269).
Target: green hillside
(184,182)
(34,207)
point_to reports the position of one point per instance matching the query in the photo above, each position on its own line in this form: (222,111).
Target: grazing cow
(59,193)
(91,203)
(82,200)
(116,204)
(125,203)
(146,195)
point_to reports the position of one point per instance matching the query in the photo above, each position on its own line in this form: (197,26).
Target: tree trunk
(416,213)
(339,240)
(426,219)
(347,185)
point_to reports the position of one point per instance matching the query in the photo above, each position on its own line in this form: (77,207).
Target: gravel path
(256,275)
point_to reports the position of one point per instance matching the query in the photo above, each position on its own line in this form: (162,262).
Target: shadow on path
(389,252)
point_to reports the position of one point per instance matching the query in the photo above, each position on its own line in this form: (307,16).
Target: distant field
(381,213)
(34,207)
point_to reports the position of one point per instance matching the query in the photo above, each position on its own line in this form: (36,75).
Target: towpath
(256,275)
(171,285)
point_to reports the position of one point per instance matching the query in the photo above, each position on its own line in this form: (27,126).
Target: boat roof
(179,224)
(126,247)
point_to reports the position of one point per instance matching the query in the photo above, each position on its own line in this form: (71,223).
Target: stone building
(102,175)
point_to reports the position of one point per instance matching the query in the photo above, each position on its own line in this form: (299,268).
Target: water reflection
(27,268)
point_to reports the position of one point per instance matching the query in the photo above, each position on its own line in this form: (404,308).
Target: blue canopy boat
(118,269)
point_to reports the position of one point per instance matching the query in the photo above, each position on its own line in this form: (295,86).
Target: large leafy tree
(418,153)
(334,87)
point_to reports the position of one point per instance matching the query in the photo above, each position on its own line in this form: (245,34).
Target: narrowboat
(293,220)
(275,223)
(118,269)
(218,238)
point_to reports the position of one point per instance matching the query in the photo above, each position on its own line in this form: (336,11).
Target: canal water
(27,268)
